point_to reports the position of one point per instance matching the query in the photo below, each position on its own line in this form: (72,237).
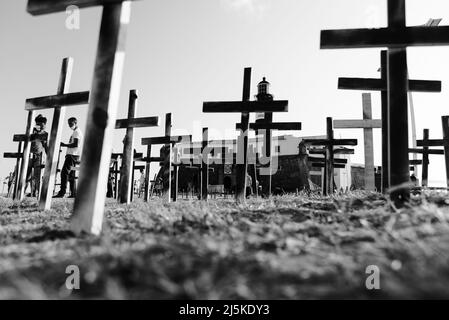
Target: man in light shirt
(71,159)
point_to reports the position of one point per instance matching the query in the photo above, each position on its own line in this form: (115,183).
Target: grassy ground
(283,248)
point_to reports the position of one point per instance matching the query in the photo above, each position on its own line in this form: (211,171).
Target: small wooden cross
(320,162)
(168,140)
(20,138)
(440,143)
(369,84)
(426,151)
(245,107)
(329,143)
(58,103)
(268,126)
(367,124)
(126,172)
(397,37)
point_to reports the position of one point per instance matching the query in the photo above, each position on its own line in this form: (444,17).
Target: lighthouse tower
(263,94)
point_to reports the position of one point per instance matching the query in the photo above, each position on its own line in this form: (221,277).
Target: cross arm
(357,124)
(323,165)
(321,160)
(326,142)
(39,7)
(431,143)
(19,138)
(245,106)
(286,126)
(137,123)
(166,140)
(430,151)
(415,162)
(153,159)
(61,100)
(384,37)
(380,85)
(12,155)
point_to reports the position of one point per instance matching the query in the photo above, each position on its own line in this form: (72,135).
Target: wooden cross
(245,107)
(89,203)
(440,143)
(320,162)
(369,84)
(58,103)
(126,172)
(168,140)
(397,37)
(20,138)
(329,143)
(268,126)
(425,151)
(367,124)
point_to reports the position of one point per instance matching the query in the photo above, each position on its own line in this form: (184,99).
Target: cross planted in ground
(168,141)
(104,99)
(440,143)
(127,169)
(367,124)
(268,126)
(245,107)
(58,103)
(371,84)
(396,37)
(329,144)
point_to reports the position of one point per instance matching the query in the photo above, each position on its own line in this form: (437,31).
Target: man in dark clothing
(71,160)
(38,139)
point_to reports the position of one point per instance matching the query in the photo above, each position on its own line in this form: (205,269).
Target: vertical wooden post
(329,159)
(127,169)
(398,110)
(17,170)
(445,120)
(105,92)
(116,181)
(370,183)
(425,158)
(25,158)
(168,126)
(176,161)
(204,164)
(385,122)
(48,183)
(242,168)
(398,130)
(147,174)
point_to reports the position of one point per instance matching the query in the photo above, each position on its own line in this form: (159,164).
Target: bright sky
(181,53)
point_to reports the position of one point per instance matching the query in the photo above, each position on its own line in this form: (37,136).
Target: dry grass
(283,248)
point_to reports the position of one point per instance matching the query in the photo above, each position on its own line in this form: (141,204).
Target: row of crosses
(103,104)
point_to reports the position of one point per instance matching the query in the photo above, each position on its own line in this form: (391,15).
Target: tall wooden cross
(397,37)
(268,126)
(58,103)
(329,143)
(168,140)
(89,203)
(367,124)
(426,151)
(369,84)
(245,107)
(126,171)
(440,143)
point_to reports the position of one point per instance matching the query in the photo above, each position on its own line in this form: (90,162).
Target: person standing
(38,139)
(71,160)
